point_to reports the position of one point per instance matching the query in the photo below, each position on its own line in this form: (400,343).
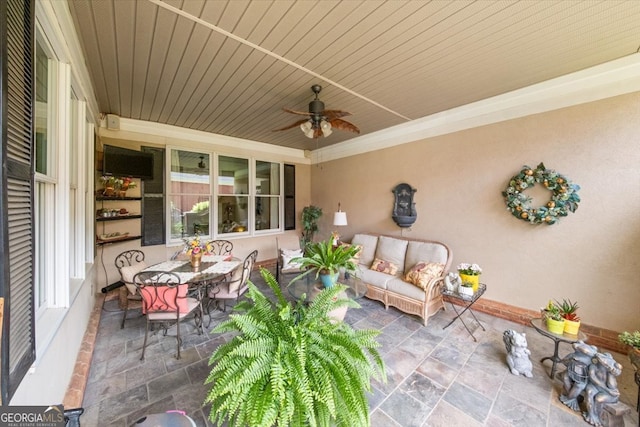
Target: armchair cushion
(287,256)
(128,272)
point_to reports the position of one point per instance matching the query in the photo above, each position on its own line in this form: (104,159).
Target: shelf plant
(289,364)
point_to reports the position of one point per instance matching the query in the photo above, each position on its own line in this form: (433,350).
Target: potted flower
(194,249)
(632,339)
(289,364)
(466,288)
(568,313)
(470,273)
(326,260)
(555,321)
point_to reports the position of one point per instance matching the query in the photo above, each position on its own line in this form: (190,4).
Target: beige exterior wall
(591,256)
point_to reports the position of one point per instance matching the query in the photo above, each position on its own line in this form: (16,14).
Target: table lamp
(339,220)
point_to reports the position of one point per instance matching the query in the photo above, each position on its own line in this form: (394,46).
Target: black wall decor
(404,209)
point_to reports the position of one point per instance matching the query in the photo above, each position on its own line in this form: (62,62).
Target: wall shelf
(118,217)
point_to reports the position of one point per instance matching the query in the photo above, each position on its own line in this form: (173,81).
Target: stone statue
(592,376)
(517,353)
(602,386)
(575,378)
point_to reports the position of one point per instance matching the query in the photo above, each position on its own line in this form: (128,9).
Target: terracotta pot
(108,191)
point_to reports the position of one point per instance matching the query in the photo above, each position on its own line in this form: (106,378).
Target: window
(233,195)
(247,194)
(267,196)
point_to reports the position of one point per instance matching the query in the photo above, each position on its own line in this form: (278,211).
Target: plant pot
(466,290)
(634,357)
(555,326)
(571,327)
(328,280)
(196,259)
(473,279)
(108,191)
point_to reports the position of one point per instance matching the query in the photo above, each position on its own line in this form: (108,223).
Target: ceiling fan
(320,122)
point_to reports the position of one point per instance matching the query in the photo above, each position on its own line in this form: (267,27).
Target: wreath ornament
(564,197)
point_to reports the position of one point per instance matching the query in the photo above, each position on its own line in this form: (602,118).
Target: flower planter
(571,327)
(328,280)
(196,259)
(473,279)
(634,358)
(555,326)
(466,290)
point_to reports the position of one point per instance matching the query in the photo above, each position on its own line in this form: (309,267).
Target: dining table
(212,269)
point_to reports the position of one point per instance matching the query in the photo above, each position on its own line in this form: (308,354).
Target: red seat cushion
(161,298)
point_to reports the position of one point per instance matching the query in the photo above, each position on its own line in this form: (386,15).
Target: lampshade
(307,129)
(325,126)
(340,218)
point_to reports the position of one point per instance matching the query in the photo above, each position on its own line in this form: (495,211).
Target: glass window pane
(267,178)
(233,214)
(189,173)
(190,215)
(42,108)
(267,213)
(233,175)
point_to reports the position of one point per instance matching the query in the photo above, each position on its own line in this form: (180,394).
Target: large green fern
(291,365)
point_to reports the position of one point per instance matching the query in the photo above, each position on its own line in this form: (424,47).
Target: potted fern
(326,260)
(290,365)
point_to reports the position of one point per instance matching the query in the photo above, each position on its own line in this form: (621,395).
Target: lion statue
(517,353)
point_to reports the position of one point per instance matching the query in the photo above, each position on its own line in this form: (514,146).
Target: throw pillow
(128,272)
(163,298)
(384,266)
(356,257)
(423,273)
(287,256)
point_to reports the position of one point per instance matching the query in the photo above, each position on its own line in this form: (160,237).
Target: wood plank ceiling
(229,67)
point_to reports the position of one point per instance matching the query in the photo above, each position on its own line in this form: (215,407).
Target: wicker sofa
(378,256)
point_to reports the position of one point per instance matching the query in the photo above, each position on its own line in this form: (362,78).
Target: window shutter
(289,197)
(16,193)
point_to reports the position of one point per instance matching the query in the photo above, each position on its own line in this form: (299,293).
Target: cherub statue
(517,353)
(576,376)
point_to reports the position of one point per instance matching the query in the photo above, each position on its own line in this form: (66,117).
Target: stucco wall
(591,256)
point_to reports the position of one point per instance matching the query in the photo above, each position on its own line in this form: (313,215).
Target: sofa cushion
(392,250)
(374,278)
(384,266)
(356,257)
(369,244)
(423,273)
(425,251)
(405,289)
(287,256)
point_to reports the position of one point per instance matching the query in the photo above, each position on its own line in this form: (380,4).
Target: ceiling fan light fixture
(325,126)
(307,129)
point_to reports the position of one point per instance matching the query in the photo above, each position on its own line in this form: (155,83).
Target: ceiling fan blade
(298,123)
(302,113)
(335,114)
(343,125)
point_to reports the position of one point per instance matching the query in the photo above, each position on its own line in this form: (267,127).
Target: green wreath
(563,200)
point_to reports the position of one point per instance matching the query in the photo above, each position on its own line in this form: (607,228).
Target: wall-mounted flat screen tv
(119,161)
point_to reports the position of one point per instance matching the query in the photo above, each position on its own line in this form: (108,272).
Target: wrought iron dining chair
(235,286)
(220,247)
(165,301)
(128,264)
